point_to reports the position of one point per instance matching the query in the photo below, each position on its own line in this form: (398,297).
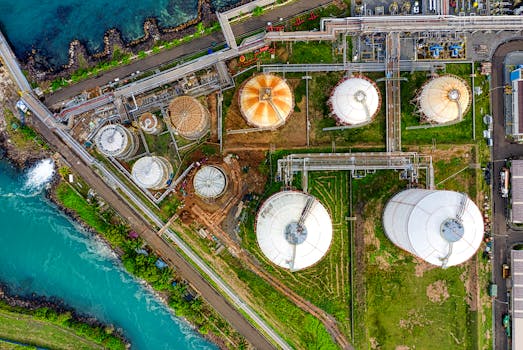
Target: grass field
(405,302)
(325,284)
(30,330)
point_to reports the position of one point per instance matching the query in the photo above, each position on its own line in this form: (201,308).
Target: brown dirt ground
(437,292)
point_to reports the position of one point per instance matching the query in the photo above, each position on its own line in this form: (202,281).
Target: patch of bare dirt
(414,319)
(402,347)
(374,343)
(421,267)
(437,292)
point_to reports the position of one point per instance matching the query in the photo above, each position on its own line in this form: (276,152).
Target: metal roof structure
(516,257)
(444,228)
(293,229)
(209,182)
(151,172)
(444,99)
(266,101)
(149,123)
(114,140)
(516,190)
(188,117)
(355,101)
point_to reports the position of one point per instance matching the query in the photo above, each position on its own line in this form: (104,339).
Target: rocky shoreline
(34,302)
(40,70)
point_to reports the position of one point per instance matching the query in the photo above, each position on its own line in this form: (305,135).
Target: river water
(50,25)
(43,252)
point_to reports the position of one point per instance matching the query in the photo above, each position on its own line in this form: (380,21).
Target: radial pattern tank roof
(355,101)
(293,229)
(266,101)
(444,99)
(112,140)
(209,182)
(188,117)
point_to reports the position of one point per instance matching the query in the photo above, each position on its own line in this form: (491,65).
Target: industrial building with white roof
(517,299)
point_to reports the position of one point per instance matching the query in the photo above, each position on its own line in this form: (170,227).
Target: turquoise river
(43,252)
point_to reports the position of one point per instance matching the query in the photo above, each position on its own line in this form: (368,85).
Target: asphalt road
(504,236)
(196,45)
(137,223)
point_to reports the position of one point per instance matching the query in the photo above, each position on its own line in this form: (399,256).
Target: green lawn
(30,330)
(406,302)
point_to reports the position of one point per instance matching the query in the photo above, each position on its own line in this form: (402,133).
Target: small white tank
(114,140)
(150,124)
(151,172)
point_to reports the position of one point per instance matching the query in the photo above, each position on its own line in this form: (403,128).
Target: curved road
(504,237)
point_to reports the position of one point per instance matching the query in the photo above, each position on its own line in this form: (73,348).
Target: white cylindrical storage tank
(152,172)
(210,182)
(150,124)
(266,101)
(444,228)
(444,99)
(114,140)
(293,229)
(188,117)
(355,101)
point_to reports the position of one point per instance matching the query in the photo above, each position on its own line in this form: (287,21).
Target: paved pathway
(197,45)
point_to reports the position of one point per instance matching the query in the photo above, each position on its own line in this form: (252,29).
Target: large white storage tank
(151,172)
(444,228)
(444,99)
(355,101)
(114,140)
(293,229)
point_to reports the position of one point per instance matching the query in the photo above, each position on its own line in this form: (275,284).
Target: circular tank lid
(293,230)
(149,172)
(355,101)
(452,230)
(112,139)
(434,231)
(209,182)
(188,117)
(444,99)
(266,101)
(148,121)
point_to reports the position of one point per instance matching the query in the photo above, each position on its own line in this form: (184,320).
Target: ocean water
(50,25)
(43,252)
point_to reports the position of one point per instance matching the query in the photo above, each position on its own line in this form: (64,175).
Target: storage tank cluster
(355,101)
(444,228)
(444,99)
(293,230)
(266,101)
(151,172)
(114,140)
(188,117)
